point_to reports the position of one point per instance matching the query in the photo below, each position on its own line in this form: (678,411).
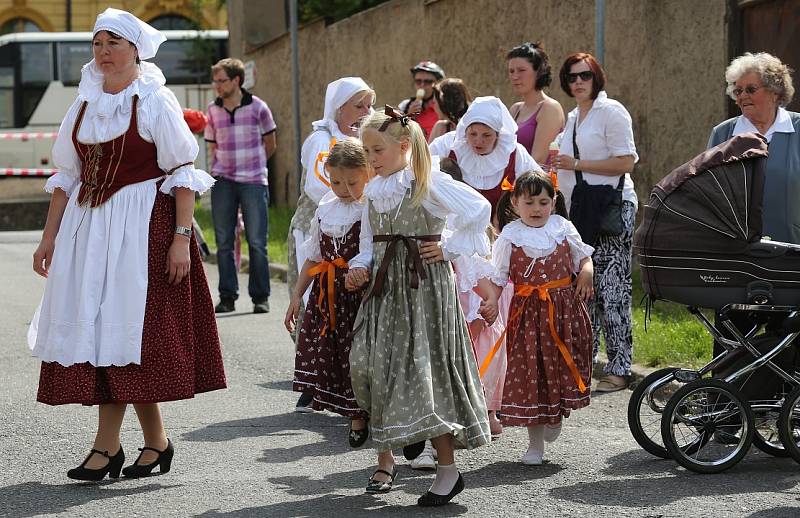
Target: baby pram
(700,244)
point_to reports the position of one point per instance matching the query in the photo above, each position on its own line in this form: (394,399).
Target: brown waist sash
(413,261)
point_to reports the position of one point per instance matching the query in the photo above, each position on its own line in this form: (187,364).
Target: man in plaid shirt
(241,132)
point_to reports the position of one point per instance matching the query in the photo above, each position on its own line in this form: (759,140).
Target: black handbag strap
(577,153)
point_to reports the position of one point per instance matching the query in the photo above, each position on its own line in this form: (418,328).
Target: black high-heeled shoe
(164,461)
(111,469)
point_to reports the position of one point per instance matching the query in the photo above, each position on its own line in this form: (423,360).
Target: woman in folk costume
(126,317)
(347,101)
(322,362)
(484,145)
(411,362)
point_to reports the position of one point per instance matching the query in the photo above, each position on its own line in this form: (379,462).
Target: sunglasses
(585,76)
(424,81)
(750,89)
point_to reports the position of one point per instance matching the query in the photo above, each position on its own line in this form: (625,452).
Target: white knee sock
(535,445)
(446,478)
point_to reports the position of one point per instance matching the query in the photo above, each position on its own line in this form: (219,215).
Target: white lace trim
(189,177)
(484,171)
(91,88)
(542,241)
(336,217)
(386,192)
(62,181)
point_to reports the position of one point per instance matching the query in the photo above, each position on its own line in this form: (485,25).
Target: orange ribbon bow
(322,155)
(506,185)
(328,269)
(543,292)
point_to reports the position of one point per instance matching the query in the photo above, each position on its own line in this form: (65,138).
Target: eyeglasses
(219,81)
(585,76)
(750,89)
(424,81)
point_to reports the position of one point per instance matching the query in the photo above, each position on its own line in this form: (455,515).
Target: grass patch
(673,337)
(279,218)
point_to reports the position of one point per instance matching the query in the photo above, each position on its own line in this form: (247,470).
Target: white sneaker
(426,459)
(552,431)
(532,458)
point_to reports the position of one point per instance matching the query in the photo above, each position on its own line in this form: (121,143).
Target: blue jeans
(226,198)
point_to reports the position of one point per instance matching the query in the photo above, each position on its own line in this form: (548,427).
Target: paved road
(242,452)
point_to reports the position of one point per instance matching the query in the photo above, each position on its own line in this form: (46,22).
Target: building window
(172,22)
(19,25)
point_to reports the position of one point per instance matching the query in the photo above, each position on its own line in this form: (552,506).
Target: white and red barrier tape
(28,136)
(16,171)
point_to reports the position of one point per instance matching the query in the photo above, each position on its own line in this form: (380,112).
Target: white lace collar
(543,239)
(330,126)
(333,212)
(104,104)
(482,170)
(389,187)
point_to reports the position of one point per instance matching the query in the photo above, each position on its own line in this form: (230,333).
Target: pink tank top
(526,132)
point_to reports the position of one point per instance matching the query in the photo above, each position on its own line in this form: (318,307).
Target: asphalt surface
(243,452)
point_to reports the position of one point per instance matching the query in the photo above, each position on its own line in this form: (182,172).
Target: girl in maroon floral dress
(322,364)
(549,337)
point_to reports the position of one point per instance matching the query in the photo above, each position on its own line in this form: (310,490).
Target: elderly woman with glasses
(762,87)
(597,148)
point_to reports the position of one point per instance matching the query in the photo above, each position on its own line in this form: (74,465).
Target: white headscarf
(122,23)
(493,113)
(336,95)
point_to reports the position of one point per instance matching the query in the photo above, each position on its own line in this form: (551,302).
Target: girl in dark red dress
(549,337)
(126,317)
(322,364)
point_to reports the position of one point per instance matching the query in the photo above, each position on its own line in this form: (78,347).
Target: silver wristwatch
(183,231)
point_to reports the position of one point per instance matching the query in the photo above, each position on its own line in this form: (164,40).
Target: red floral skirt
(181,353)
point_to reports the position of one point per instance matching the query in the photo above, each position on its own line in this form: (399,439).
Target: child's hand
(356,278)
(584,285)
(431,252)
(489,311)
(292,312)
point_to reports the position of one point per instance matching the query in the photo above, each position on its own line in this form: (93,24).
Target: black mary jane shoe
(111,469)
(357,438)
(380,486)
(412,451)
(164,461)
(433,500)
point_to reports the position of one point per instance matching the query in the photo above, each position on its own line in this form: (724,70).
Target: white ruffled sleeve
(524,162)
(65,157)
(577,248)
(471,269)
(311,245)
(467,214)
(318,142)
(364,257)
(501,259)
(176,147)
(441,145)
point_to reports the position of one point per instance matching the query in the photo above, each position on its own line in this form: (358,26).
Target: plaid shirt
(239,136)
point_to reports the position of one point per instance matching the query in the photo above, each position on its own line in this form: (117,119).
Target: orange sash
(322,155)
(328,269)
(543,292)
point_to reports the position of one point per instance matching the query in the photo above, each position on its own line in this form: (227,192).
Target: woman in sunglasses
(761,86)
(597,146)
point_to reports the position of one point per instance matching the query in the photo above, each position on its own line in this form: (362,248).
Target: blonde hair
(775,75)
(412,133)
(348,154)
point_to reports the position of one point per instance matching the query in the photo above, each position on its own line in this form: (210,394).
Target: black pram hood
(712,203)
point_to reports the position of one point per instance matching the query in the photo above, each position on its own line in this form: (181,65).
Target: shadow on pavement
(639,462)
(753,475)
(337,505)
(278,385)
(410,481)
(507,473)
(777,512)
(35,498)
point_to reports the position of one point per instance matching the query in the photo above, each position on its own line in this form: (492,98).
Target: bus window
(6,97)
(36,73)
(72,56)
(188,61)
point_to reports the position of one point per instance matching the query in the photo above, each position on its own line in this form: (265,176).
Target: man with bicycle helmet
(421,106)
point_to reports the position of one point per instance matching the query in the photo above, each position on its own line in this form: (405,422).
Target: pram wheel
(789,424)
(766,436)
(707,427)
(646,406)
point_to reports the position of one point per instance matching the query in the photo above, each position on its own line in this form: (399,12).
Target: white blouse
(537,242)
(483,171)
(606,132)
(107,116)
(335,218)
(466,212)
(318,142)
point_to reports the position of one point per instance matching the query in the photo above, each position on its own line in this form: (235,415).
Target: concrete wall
(665,62)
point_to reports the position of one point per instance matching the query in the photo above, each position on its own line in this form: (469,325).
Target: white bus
(39,75)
